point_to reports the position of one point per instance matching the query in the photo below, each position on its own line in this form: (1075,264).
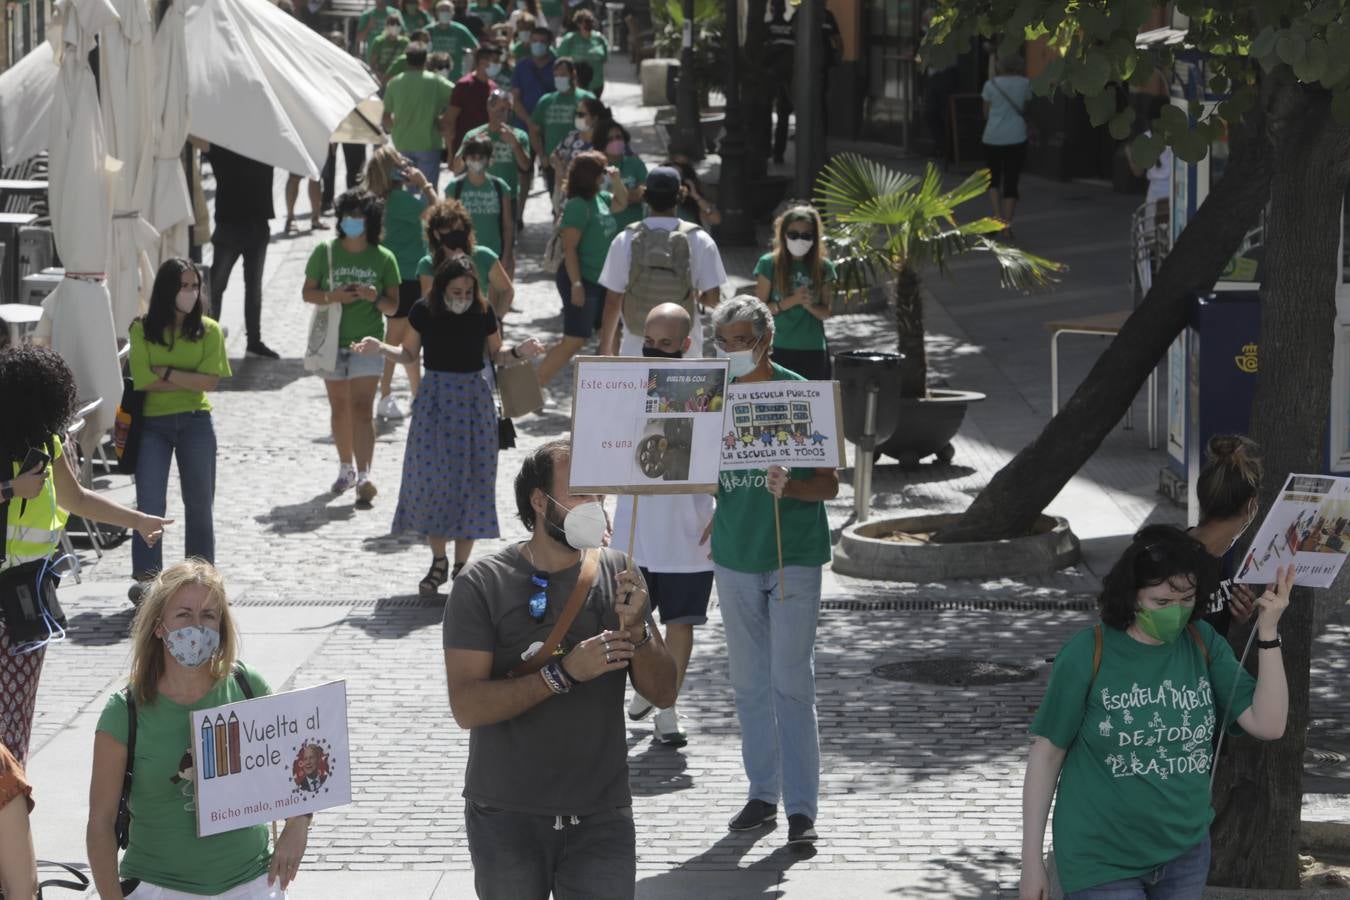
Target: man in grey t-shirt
(548,756)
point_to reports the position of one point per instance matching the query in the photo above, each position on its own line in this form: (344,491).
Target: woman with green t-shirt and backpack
(364,279)
(1128,723)
(796,281)
(183,658)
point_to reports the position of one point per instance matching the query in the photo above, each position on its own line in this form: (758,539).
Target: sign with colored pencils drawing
(783,423)
(1308,528)
(270,758)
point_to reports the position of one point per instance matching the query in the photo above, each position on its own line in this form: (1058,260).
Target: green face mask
(1164,624)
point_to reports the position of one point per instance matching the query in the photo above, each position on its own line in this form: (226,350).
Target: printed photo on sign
(647,425)
(1308,528)
(270,758)
(782,423)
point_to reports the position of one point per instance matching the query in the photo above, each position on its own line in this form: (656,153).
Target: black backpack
(122,827)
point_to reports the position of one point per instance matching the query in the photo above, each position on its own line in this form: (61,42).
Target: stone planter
(863,554)
(927,426)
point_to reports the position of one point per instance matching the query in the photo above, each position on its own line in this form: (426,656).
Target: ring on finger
(607,659)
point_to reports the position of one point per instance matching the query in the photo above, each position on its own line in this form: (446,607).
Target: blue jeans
(1181,879)
(771,653)
(192,438)
(429,161)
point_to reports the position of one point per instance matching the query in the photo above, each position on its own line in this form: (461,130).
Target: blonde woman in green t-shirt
(796,281)
(1127,727)
(177,357)
(184,646)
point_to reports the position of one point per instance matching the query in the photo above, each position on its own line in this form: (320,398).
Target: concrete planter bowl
(863,552)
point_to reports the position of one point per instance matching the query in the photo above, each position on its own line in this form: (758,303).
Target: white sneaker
(668,730)
(345,480)
(388,408)
(639,708)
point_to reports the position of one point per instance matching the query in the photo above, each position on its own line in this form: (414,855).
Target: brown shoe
(365,492)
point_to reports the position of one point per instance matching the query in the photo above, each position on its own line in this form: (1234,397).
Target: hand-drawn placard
(271,758)
(646,426)
(783,423)
(1308,528)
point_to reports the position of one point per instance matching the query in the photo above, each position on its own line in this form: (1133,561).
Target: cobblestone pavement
(920,781)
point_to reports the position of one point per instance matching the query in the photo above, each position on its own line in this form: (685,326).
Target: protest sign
(783,423)
(1306,528)
(646,426)
(271,758)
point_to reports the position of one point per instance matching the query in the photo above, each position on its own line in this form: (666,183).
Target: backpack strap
(241,679)
(1096,651)
(122,824)
(1199,641)
(457,187)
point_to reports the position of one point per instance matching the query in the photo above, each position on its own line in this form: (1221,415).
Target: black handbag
(506,433)
(28,603)
(127,427)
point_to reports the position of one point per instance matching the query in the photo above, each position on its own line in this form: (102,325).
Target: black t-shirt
(567,755)
(243,188)
(453,343)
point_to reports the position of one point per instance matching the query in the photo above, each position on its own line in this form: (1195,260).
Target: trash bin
(857,371)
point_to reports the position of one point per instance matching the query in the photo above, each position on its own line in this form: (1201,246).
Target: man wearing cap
(661,259)
(670,542)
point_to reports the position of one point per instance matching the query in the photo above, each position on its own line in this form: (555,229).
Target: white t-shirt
(706,262)
(668,530)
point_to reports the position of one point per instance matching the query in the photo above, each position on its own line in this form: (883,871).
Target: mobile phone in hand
(35,459)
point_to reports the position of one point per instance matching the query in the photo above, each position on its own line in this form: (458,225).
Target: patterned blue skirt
(449,484)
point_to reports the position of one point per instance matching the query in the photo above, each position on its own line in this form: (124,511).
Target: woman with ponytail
(1229,490)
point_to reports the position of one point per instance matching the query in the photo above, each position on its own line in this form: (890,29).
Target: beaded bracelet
(557,680)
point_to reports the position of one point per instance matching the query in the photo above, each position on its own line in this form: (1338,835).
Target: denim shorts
(353,365)
(681,597)
(580,321)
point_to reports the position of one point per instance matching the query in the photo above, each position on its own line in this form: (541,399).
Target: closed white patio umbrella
(170,202)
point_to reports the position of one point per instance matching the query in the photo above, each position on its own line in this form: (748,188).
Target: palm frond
(974,186)
(850,180)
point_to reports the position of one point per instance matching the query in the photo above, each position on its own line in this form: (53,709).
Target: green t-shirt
(743,535)
(1134,788)
(453,39)
(483,260)
(594,50)
(376,266)
(206,356)
(415,99)
(380,15)
(384,50)
(484,205)
(555,114)
(598,227)
(491,14)
(551,8)
(503,163)
(416,19)
(796,328)
(164,849)
(634,172)
(403,232)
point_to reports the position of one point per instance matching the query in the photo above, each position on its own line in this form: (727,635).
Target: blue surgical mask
(538,48)
(352,227)
(562,84)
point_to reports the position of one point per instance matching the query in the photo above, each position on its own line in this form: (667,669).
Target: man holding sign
(768,586)
(537,639)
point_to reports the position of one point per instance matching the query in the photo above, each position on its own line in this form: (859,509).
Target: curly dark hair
(359,202)
(1157,554)
(537,471)
(447,214)
(37,398)
(159,316)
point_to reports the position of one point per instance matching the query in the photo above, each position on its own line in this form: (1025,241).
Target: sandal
(437,575)
(290,227)
(454,573)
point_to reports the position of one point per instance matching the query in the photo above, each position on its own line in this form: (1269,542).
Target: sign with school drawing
(783,423)
(646,426)
(271,758)
(1308,527)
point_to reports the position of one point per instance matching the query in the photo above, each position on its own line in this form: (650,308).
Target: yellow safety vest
(34,528)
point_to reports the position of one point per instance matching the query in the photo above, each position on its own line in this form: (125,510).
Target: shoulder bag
(127,427)
(590,564)
(321,350)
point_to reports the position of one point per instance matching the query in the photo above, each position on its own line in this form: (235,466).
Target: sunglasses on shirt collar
(539,599)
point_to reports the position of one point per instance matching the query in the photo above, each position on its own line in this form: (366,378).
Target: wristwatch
(1269,645)
(646,636)
(6,490)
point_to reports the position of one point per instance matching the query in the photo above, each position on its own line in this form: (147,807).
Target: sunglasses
(801,235)
(539,599)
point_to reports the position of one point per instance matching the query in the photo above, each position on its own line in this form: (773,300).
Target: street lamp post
(688,136)
(809,66)
(737,227)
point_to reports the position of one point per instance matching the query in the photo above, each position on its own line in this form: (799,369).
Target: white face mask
(562,84)
(742,362)
(458,305)
(583,528)
(445,18)
(192,645)
(476,166)
(186,301)
(798,247)
(391,30)
(582,123)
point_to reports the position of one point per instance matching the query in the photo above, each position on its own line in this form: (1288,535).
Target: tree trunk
(755,99)
(1259,789)
(1009,505)
(909,333)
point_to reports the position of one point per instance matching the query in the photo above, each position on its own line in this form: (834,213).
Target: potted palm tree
(893,224)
